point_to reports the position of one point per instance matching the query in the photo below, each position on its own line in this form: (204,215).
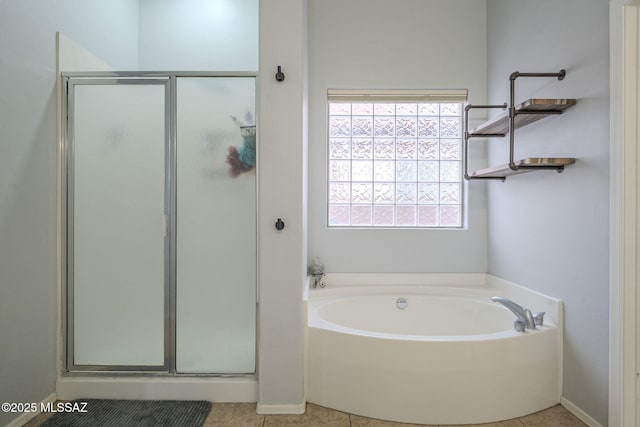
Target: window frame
(396,97)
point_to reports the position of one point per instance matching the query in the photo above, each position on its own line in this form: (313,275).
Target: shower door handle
(165,226)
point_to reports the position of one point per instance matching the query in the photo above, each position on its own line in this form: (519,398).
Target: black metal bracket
(467,135)
(512,108)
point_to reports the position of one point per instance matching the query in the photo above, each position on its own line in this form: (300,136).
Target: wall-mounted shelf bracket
(487,134)
(516,117)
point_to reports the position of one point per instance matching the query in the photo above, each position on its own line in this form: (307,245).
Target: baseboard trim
(25,417)
(263,409)
(575,410)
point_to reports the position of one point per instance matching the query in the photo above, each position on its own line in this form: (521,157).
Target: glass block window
(395,164)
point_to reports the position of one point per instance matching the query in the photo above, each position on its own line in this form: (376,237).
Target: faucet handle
(530,322)
(518,325)
(539,318)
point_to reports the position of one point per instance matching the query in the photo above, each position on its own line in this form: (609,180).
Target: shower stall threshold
(213,389)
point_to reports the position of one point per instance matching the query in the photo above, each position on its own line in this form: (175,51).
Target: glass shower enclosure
(160,223)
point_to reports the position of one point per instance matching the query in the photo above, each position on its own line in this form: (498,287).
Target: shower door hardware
(165,226)
(279,74)
(279,224)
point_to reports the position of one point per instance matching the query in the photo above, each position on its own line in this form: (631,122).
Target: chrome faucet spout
(523,314)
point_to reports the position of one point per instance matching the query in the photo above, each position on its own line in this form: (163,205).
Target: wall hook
(280,74)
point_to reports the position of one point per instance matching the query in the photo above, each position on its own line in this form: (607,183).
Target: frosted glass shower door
(215,225)
(116,232)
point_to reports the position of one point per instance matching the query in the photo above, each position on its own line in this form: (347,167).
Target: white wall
(28,174)
(549,231)
(197,35)
(393,44)
(282,141)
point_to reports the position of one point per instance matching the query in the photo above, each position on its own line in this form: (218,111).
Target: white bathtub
(450,357)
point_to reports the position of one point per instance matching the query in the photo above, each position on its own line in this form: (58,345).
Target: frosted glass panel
(118,166)
(405,154)
(216,225)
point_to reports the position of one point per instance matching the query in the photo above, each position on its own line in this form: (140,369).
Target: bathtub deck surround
(412,347)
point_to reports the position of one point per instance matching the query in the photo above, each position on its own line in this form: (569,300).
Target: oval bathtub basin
(431,355)
(455,317)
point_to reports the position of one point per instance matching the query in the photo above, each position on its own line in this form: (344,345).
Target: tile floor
(244,415)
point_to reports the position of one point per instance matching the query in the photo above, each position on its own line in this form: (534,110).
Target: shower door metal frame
(169,80)
(71,81)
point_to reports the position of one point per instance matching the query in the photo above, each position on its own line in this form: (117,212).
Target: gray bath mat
(125,413)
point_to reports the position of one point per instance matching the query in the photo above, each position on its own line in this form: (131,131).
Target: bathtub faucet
(525,318)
